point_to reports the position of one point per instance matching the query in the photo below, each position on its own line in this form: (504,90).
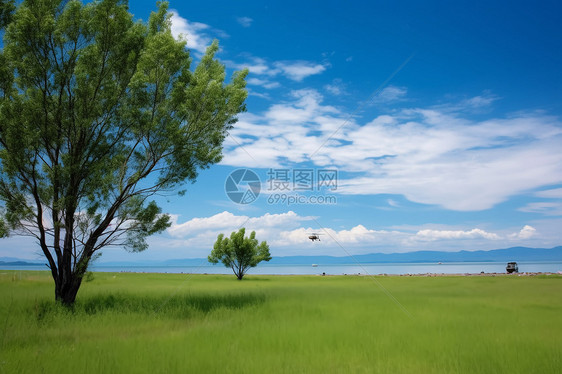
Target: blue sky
(442,119)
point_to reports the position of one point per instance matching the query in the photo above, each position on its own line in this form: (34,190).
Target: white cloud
(336,88)
(255,65)
(526,233)
(547,208)
(476,104)
(298,70)
(390,94)
(393,203)
(263,95)
(333,89)
(244,21)
(555,193)
(280,230)
(287,234)
(455,234)
(193,32)
(263,72)
(431,156)
(358,235)
(283,132)
(460,179)
(218,221)
(479,101)
(263,83)
(306,109)
(295,70)
(228,222)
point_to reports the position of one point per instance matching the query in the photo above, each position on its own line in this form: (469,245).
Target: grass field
(162,323)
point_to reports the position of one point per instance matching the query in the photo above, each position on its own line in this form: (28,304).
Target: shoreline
(523,274)
(481,274)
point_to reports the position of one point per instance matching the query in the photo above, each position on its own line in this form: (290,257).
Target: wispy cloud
(265,83)
(244,21)
(295,70)
(299,70)
(194,32)
(429,155)
(555,193)
(390,94)
(393,203)
(255,65)
(336,88)
(553,208)
(476,104)
(479,101)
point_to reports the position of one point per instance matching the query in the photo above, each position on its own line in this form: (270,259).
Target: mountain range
(522,254)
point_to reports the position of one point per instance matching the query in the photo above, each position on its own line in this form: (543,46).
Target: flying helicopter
(314,236)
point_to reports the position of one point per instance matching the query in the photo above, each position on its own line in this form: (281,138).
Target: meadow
(166,323)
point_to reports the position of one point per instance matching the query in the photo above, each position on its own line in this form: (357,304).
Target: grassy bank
(161,323)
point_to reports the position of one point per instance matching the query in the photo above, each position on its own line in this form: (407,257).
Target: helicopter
(314,236)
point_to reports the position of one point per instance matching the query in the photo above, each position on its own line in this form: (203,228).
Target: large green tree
(239,253)
(99,112)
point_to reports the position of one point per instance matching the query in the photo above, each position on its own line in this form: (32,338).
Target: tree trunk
(67,289)
(70,275)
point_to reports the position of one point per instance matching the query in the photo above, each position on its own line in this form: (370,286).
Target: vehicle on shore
(512,267)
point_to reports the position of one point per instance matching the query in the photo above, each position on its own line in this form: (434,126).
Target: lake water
(367,268)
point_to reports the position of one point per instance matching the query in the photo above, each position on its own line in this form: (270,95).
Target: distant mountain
(497,255)
(19,263)
(521,254)
(15,259)
(173,262)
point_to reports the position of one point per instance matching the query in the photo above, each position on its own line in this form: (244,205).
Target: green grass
(162,323)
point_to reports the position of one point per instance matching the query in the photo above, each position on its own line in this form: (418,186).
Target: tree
(6,9)
(98,113)
(239,253)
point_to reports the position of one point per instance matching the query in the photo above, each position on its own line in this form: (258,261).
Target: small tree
(239,253)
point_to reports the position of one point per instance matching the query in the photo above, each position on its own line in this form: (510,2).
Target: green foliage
(99,112)
(6,9)
(239,253)
(89,276)
(3,228)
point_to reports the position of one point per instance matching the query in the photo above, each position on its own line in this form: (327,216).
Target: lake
(335,269)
